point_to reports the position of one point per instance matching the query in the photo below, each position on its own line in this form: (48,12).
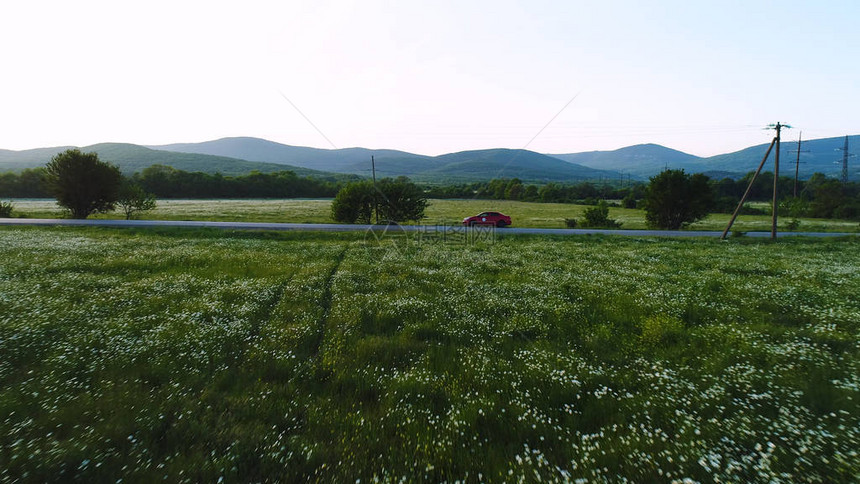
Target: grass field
(195,356)
(525,214)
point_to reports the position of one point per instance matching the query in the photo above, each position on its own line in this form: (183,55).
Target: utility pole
(747,192)
(375,204)
(773,144)
(797,163)
(775,210)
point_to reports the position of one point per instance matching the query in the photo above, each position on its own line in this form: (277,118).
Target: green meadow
(525,214)
(188,356)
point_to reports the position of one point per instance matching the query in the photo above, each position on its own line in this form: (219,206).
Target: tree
(629,200)
(514,190)
(82,183)
(674,199)
(354,203)
(133,198)
(400,200)
(392,200)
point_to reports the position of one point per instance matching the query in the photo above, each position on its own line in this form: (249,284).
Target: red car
(488,218)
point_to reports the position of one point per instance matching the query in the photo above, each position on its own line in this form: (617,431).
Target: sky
(704,77)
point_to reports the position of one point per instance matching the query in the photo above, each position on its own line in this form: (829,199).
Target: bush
(794,207)
(570,223)
(629,201)
(598,217)
(133,199)
(792,225)
(729,204)
(6,209)
(848,211)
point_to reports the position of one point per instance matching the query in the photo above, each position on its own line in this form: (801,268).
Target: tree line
(514,189)
(819,196)
(168,182)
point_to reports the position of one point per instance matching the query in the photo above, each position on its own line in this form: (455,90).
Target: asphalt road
(429,229)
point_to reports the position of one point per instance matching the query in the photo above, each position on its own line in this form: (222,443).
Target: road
(430,229)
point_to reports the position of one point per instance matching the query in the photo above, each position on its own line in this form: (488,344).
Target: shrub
(6,209)
(598,217)
(134,199)
(629,201)
(570,223)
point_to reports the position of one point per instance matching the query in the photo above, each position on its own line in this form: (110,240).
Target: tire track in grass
(264,314)
(261,317)
(325,302)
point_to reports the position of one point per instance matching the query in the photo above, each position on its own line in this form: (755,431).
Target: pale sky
(429,77)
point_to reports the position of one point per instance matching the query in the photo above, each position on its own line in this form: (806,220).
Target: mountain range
(132,158)
(240,155)
(642,161)
(461,167)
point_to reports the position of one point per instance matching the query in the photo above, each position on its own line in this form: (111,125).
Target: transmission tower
(845,156)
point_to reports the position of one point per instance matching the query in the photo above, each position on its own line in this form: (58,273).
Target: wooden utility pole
(375,204)
(775,184)
(797,163)
(747,192)
(774,143)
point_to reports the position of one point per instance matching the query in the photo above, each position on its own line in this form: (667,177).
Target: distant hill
(234,156)
(465,166)
(644,161)
(345,160)
(506,163)
(640,161)
(823,156)
(132,158)
(18,160)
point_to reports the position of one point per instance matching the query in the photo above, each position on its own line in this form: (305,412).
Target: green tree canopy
(82,183)
(674,199)
(354,203)
(396,200)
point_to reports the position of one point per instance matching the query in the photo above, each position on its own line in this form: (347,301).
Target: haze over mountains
(466,166)
(240,155)
(133,158)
